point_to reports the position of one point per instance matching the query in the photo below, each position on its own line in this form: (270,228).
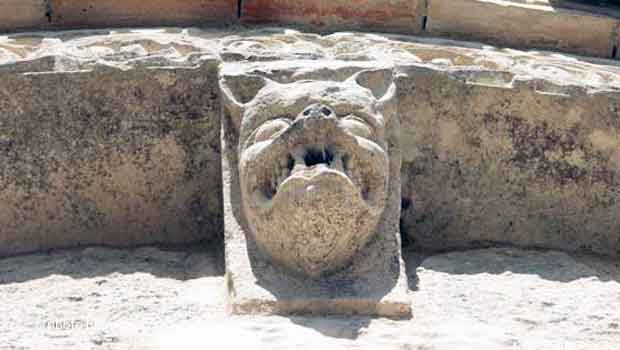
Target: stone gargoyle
(313,165)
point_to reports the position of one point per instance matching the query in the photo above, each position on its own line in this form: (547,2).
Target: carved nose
(317,110)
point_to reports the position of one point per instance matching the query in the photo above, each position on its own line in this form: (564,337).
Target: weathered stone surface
(527,163)
(523,25)
(545,24)
(22,14)
(99,13)
(150,299)
(500,146)
(312,193)
(384,15)
(108,156)
(528,136)
(524,162)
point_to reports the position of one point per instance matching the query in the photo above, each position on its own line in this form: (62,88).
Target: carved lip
(309,178)
(314,161)
(306,166)
(308,162)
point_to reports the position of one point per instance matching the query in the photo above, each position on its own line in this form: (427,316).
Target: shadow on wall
(601,7)
(180,263)
(341,328)
(547,264)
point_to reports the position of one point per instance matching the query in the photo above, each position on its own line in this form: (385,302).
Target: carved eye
(270,128)
(357,126)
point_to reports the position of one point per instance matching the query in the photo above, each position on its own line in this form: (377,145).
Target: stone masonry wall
(523,163)
(108,156)
(539,24)
(112,138)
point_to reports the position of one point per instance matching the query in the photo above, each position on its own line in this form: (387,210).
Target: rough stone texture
(547,24)
(526,162)
(100,13)
(311,194)
(528,136)
(22,14)
(500,299)
(383,15)
(500,146)
(523,25)
(108,156)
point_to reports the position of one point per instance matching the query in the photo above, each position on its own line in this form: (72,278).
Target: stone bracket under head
(312,192)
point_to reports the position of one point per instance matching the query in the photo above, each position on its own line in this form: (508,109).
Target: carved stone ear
(381,83)
(378,81)
(238,91)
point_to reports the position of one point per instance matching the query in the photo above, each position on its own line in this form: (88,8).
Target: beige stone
(311,193)
(93,13)
(523,25)
(22,14)
(152,299)
(108,156)
(384,15)
(500,146)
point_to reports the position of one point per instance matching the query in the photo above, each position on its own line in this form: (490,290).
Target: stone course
(524,25)
(373,15)
(499,146)
(108,155)
(23,14)
(102,13)
(543,24)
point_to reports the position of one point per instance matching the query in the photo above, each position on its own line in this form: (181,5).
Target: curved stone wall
(542,24)
(112,137)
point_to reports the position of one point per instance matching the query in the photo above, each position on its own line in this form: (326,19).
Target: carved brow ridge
(341,109)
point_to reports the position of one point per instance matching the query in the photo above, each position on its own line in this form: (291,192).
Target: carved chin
(316,223)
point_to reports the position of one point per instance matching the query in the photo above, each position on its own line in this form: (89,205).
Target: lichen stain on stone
(25,216)
(545,149)
(129,198)
(608,144)
(139,194)
(507,165)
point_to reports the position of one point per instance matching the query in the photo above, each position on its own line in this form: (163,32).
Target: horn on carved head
(238,91)
(381,84)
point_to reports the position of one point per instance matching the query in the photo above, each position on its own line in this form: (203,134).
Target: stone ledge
(523,25)
(22,14)
(515,23)
(378,15)
(101,13)
(107,155)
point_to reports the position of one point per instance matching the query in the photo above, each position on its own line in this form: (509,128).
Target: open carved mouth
(314,157)
(308,162)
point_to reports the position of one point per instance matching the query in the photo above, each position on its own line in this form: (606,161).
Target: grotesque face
(313,169)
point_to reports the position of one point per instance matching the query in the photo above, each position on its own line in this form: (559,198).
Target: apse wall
(543,24)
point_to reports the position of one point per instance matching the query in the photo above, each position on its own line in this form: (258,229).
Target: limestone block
(87,13)
(498,159)
(311,173)
(22,14)
(107,156)
(386,15)
(521,25)
(499,146)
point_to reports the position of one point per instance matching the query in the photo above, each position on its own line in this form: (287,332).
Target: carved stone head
(313,165)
